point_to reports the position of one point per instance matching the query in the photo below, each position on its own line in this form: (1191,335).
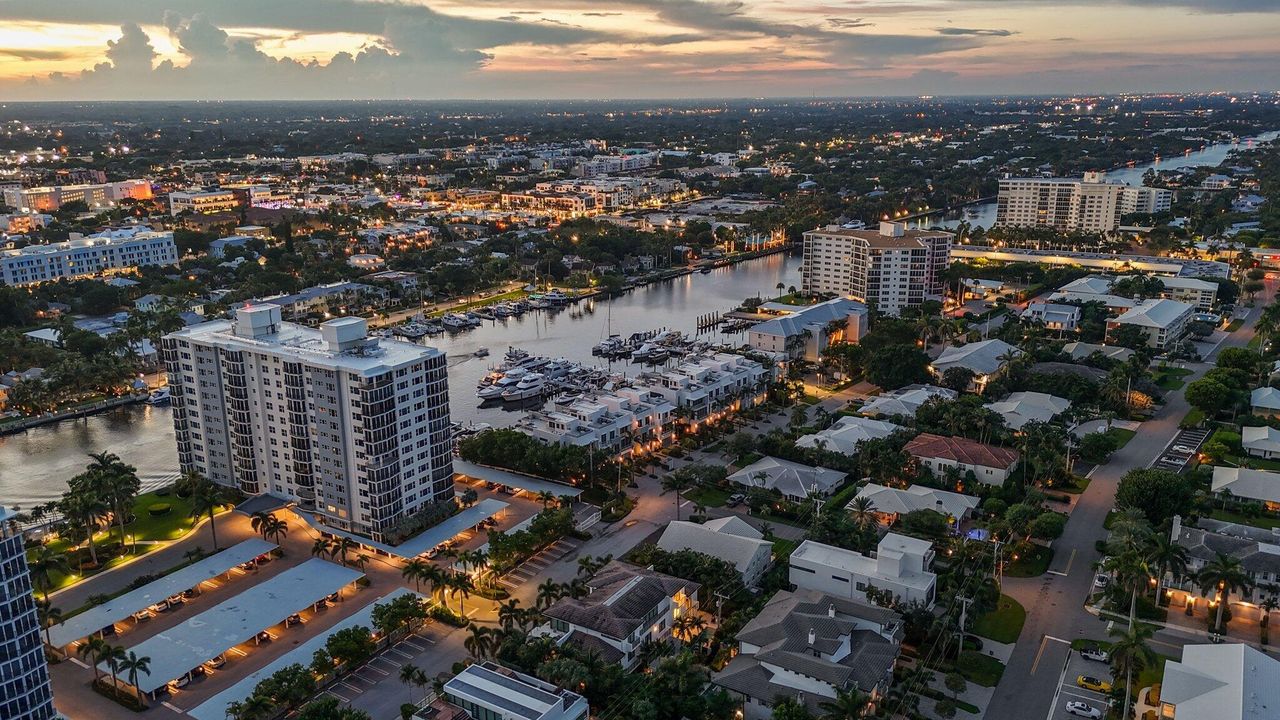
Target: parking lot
(539,562)
(1179,452)
(1069,691)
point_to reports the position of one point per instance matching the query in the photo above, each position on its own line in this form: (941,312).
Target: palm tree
(413,570)
(43,564)
(1130,573)
(434,578)
(548,592)
(114,655)
(510,614)
(322,547)
(677,482)
(85,509)
(480,643)
(1222,575)
(863,513)
(132,665)
(546,497)
(846,705)
(49,616)
(93,650)
(342,546)
(1166,556)
(1130,653)
(274,529)
(413,675)
(205,497)
(462,586)
(117,483)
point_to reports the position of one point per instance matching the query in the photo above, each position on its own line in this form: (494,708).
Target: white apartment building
(711,384)
(1164,322)
(352,428)
(492,692)
(25,690)
(104,254)
(891,268)
(1200,293)
(616,423)
(202,201)
(900,565)
(48,199)
(1088,204)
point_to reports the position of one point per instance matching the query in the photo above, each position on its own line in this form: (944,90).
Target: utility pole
(720,598)
(964,613)
(999,569)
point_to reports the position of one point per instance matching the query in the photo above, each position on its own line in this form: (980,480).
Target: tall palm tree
(205,497)
(48,616)
(863,513)
(1166,556)
(1130,653)
(510,614)
(274,529)
(1130,573)
(117,483)
(322,547)
(92,650)
(131,665)
(846,705)
(1222,575)
(342,546)
(462,587)
(434,578)
(85,509)
(546,497)
(114,655)
(43,564)
(414,675)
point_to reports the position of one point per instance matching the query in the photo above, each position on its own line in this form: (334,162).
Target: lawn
(1255,342)
(1152,674)
(980,669)
(1030,564)
(1252,462)
(1235,325)
(1003,624)
(1193,418)
(708,497)
(145,528)
(1170,378)
(1262,521)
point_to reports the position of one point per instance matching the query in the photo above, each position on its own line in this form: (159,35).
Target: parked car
(1084,710)
(143,615)
(335,597)
(1095,654)
(1185,450)
(735,499)
(180,683)
(1089,682)
(159,607)
(1101,582)
(262,637)
(216,662)
(294,619)
(190,593)
(248,566)
(175,601)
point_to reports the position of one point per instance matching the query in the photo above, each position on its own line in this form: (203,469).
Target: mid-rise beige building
(890,268)
(1086,204)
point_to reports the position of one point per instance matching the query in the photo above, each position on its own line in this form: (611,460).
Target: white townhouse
(900,564)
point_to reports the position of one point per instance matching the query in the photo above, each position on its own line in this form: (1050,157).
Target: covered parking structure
(215,708)
(432,537)
(181,649)
(529,484)
(95,619)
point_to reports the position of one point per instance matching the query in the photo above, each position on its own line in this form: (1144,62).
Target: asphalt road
(1055,600)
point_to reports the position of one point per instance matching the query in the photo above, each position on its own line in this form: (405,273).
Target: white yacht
(530,386)
(159,396)
(508,381)
(454,321)
(555,297)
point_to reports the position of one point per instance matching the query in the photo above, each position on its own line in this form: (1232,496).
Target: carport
(523,483)
(183,648)
(93,620)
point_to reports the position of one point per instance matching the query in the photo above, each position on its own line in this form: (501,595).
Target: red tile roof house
(991,464)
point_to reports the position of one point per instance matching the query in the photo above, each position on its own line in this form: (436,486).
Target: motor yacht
(530,386)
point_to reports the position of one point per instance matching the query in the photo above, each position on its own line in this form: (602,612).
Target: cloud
(848,23)
(975,32)
(602,14)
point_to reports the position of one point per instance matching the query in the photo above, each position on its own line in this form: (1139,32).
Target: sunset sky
(334,49)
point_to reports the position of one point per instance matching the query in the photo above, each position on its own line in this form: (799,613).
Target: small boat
(566,398)
(160,396)
(558,368)
(482,352)
(706,270)
(529,386)
(555,297)
(537,302)
(503,310)
(515,356)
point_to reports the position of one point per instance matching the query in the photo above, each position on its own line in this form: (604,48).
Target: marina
(36,464)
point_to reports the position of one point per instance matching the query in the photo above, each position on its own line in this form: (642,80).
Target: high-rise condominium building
(352,428)
(1086,204)
(890,268)
(25,693)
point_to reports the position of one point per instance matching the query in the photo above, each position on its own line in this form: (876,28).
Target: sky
(553,49)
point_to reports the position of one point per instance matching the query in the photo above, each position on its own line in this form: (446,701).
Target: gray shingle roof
(621,595)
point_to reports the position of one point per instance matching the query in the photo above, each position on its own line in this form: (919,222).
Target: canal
(35,465)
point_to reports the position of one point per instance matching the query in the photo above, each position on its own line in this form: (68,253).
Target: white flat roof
(120,608)
(429,538)
(528,483)
(215,708)
(180,649)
